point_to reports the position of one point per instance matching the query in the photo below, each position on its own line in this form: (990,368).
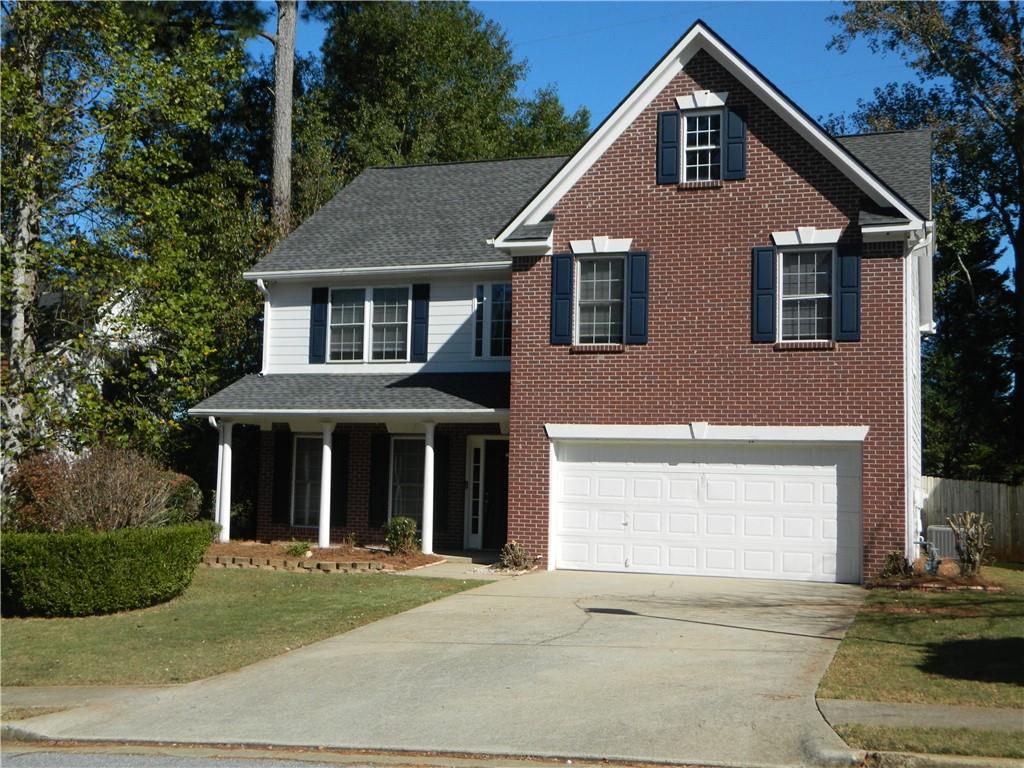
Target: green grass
(224,620)
(935,647)
(936,741)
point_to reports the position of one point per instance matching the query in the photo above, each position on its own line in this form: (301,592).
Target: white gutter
(306,274)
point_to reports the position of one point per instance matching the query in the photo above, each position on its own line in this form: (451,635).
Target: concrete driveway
(558,664)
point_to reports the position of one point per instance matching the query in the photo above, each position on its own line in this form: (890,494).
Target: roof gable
(700,37)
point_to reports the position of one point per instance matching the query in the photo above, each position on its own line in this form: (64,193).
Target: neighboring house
(693,347)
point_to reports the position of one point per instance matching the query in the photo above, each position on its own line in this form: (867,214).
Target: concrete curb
(17,733)
(822,753)
(915,760)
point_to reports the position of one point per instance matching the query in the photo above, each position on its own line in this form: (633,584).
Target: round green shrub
(400,535)
(85,573)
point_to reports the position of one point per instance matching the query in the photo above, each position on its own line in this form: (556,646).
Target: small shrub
(400,535)
(185,500)
(85,572)
(515,557)
(895,566)
(298,548)
(973,534)
(106,488)
(350,540)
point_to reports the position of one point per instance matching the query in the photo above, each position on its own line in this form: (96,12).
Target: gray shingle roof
(369,392)
(901,159)
(421,214)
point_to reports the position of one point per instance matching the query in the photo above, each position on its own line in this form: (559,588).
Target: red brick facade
(699,363)
(449,522)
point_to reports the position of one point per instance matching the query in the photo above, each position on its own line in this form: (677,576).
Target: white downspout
(262,287)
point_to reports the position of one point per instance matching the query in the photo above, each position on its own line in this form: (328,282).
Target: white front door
(751,510)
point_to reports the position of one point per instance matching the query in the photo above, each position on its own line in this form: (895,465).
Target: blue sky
(595,52)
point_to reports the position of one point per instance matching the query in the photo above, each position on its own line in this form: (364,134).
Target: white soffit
(698,37)
(807,236)
(699,430)
(601,245)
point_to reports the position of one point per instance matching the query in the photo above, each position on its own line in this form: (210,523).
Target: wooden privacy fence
(1002,505)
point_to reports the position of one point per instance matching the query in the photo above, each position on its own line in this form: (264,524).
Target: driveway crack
(586,620)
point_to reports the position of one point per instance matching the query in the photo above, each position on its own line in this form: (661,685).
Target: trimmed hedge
(85,573)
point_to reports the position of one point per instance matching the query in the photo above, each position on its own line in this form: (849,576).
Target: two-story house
(692,347)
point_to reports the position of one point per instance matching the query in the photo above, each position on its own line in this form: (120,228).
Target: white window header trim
(699,430)
(807,236)
(702,100)
(601,244)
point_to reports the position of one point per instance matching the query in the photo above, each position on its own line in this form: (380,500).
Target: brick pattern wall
(699,363)
(449,536)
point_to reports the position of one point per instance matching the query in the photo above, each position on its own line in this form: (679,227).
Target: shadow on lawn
(996,660)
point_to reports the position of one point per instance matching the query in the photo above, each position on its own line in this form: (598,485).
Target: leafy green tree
(970,61)
(432,82)
(121,258)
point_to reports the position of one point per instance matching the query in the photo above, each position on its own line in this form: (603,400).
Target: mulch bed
(339,554)
(927,582)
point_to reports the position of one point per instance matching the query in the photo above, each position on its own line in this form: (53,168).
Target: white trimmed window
(492,320)
(805,294)
(369,325)
(406,494)
(348,315)
(600,286)
(702,146)
(390,324)
(307,457)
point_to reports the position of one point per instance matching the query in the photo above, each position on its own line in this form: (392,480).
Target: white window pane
(306,489)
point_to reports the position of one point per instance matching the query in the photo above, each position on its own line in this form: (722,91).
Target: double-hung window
(600,288)
(806,295)
(702,146)
(492,320)
(348,306)
(390,324)
(368,324)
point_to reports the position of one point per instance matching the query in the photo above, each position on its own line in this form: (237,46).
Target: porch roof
(324,394)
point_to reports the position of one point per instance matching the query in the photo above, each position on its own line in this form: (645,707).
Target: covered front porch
(432,447)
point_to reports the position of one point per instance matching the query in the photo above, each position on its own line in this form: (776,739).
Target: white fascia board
(307,274)
(706,432)
(699,37)
(431,413)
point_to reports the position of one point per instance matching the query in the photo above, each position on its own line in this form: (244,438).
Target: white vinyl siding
(449,334)
(492,320)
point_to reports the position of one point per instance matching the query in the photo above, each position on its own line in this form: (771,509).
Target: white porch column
(324,535)
(220,463)
(428,490)
(224,486)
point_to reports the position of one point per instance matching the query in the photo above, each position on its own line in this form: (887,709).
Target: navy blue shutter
(668,147)
(734,161)
(420,318)
(561,298)
(848,294)
(318,326)
(762,313)
(636,299)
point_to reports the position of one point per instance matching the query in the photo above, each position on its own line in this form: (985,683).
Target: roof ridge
(464,162)
(865,134)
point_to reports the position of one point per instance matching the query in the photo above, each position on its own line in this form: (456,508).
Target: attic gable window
(702,146)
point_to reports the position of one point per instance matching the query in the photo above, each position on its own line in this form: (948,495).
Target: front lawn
(939,741)
(936,647)
(225,620)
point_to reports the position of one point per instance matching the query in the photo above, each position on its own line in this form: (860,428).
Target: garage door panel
(721,510)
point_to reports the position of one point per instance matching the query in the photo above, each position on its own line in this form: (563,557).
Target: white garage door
(756,511)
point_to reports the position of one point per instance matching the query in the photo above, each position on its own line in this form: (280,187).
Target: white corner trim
(699,37)
(702,100)
(707,432)
(807,236)
(601,244)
